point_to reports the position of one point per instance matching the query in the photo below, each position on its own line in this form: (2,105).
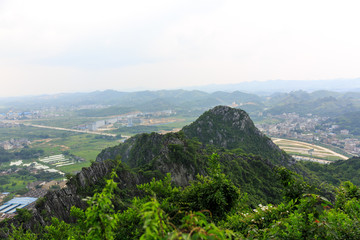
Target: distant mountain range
(272,86)
(320,102)
(129,101)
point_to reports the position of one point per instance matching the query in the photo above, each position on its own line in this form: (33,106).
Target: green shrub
(215,192)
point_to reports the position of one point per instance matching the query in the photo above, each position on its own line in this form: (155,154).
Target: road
(67,129)
(70,130)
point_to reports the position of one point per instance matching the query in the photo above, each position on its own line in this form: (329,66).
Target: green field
(294,147)
(13,183)
(31,133)
(328,158)
(83,145)
(54,142)
(86,146)
(64,122)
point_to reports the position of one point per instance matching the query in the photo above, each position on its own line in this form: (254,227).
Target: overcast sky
(51,46)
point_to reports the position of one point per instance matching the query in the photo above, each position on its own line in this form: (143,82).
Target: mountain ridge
(147,156)
(183,154)
(232,128)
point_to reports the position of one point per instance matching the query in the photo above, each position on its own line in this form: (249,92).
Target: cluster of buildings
(14,143)
(311,129)
(44,112)
(8,124)
(8,209)
(291,125)
(350,145)
(129,120)
(35,167)
(10,115)
(36,189)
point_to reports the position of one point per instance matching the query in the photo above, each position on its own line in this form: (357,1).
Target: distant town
(311,129)
(13,118)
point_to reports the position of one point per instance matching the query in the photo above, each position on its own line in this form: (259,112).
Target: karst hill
(248,157)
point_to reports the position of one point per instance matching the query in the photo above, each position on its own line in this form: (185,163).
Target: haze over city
(75,46)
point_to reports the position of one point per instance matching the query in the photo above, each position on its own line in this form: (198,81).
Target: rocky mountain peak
(236,117)
(232,128)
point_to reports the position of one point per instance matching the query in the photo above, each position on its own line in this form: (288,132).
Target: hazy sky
(65,46)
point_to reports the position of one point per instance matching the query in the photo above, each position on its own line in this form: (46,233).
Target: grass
(335,149)
(329,158)
(64,122)
(53,142)
(304,147)
(86,146)
(31,133)
(74,168)
(16,183)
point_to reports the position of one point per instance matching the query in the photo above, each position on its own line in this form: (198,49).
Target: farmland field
(309,150)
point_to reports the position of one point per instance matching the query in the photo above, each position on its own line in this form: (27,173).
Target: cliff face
(170,153)
(154,155)
(160,154)
(145,156)
(232,128)
(58,203)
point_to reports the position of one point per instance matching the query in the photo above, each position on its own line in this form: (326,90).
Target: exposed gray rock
(171,153)
(232,128)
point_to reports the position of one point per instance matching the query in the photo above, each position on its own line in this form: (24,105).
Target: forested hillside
(337,172)
(218,178)
(121,102)
(348,121)
(232,129)
(322,103)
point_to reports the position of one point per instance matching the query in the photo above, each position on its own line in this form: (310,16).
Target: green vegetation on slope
(211,207)
(336,172)
(349,121)
(25,153)
(150,153)
(230,128)
(211,181)
(322,103)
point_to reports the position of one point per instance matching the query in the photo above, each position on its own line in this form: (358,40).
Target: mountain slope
(230,128)
(232,135)
(337,172)
(323,103)
(154,155)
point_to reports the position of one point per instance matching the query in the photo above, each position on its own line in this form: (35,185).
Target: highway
(70,130)
(67,129)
